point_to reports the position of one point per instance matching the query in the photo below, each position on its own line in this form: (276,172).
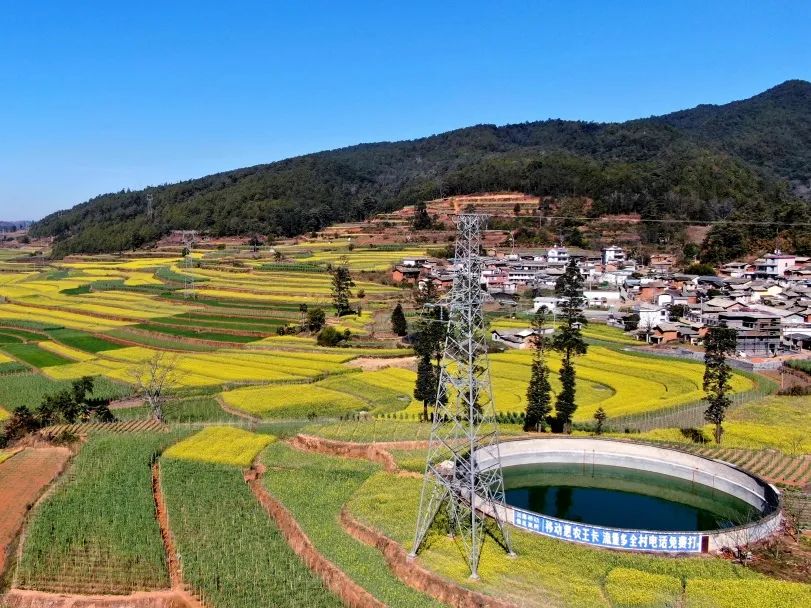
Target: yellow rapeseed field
(221,445)
(57,318)
(292,400)
(66,351)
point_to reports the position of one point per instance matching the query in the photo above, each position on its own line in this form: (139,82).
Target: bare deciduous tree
(154,379)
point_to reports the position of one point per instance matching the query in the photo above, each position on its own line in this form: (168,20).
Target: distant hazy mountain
(745,157)
(6,224)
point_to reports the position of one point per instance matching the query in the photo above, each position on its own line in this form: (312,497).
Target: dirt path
(23,478)
(370,364)
(375,452)
(235,412)
(24,598)
(175,572)
(123,404)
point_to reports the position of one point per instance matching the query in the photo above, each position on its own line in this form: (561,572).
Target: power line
(673,221)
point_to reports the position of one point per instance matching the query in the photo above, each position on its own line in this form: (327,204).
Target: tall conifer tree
(539,391)
(718,343)
(568,339)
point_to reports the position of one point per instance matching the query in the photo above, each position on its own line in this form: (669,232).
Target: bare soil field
(370,364)
(22,480)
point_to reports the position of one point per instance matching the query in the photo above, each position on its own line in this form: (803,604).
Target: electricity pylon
(464,419)
(188,263)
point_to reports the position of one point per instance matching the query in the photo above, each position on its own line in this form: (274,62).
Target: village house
(758,333)
(736,269)
(557,256)
(797,340)
(518,339)
(774,265)
(651,316)
(662,262)
(406,274)
(612,255)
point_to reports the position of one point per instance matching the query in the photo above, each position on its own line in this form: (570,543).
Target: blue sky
(100,96)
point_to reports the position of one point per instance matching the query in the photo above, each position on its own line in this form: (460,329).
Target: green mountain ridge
(706,163)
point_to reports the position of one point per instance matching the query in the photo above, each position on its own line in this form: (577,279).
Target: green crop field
(180,332)
(29,389)
(97,532)
(188,410)
(82,341)
(34,355)
(233,554)
(12,367)
(315,488)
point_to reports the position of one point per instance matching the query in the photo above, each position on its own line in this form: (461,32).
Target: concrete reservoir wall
(715,474)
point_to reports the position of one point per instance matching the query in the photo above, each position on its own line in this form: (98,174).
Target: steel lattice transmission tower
(150,212)
(188,263)
(464,420)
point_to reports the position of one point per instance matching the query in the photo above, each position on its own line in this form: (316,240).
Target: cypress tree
(341,289)
(539,398)
(600,416)
(425,388)
(398,321)
(718,343)
(568,339)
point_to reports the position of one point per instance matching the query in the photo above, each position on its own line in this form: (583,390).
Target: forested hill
(710,162)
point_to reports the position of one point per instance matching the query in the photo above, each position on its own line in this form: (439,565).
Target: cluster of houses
(767,301)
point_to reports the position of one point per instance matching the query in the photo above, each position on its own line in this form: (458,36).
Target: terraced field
(234,556)
(98,533)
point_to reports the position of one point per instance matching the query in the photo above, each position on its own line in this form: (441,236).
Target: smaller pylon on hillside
(188,264)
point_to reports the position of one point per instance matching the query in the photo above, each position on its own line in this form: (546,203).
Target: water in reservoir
(622,498)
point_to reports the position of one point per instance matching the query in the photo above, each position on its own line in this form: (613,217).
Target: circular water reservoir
(618,497)
(631,496)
